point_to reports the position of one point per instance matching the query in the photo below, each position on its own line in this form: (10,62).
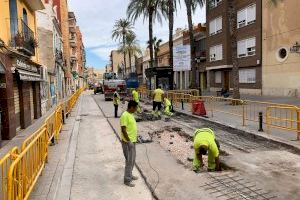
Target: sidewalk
(88,163)
(21,136)
(280,100)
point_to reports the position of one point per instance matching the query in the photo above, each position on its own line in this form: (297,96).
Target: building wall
(225,65)
(164,55)
(281,30)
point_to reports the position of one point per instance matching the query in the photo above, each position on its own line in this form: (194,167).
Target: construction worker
(205,141)
(168,107)
(129,139)
(116,102)
(158,96)
(136,98)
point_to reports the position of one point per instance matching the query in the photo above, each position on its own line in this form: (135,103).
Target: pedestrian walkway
(21,136)
(88,162)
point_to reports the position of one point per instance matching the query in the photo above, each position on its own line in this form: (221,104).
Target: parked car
(98,88)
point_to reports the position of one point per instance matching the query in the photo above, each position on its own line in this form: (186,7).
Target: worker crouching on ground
(205,142)
(129,139)
(116,102)
(168,107)
(158,96)
(136,98)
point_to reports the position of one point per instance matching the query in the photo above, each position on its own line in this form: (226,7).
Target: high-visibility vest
(116,98)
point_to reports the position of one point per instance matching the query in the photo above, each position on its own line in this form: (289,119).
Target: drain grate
(233,187)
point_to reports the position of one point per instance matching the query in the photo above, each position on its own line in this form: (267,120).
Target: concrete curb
(63,189)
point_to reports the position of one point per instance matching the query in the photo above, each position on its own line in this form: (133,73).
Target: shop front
(160,76)
(26,87)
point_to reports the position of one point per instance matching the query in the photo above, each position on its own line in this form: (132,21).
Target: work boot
(129,184)
(134,178)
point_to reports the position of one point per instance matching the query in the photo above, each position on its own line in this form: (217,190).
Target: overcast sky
(96,19)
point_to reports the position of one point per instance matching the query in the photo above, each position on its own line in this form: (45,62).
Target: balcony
(73,42)
(22,39)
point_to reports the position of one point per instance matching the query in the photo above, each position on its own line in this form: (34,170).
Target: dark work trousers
(116,110)
(129,154)
(156,105)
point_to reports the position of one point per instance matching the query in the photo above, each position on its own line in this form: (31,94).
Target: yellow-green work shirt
(158,95)
(207,137)
(116,98)
(135,96)
(127,119)
(167,102)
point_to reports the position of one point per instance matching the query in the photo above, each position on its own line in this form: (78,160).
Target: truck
(111,84)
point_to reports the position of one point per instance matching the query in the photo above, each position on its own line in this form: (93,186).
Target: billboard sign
(182,58)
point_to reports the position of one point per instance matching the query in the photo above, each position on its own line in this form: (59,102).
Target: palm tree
(156,43)
(169,7)
(131,48)
(191,6)
(148,9)
(122,28)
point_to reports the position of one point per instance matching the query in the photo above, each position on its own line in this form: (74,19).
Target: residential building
(163,55)
(146,65)
(80,53)
(50,56)
(139,70)
(63,17)
(19,69)
(200,51)
(95,75)
(281,48)
(249,42)
(117,63)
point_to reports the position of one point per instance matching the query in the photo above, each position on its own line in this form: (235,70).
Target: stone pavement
(88,162)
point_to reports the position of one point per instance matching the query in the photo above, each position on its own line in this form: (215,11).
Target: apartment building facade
(281,48)
(50,56)
(20,72)
(249,45)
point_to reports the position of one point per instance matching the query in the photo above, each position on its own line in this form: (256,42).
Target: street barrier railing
(244,110)
(20,169)
(284,118)
(5,164)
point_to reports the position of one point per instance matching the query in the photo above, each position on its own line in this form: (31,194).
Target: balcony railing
(22,37)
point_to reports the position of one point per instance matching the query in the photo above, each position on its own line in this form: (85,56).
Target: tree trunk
(130,61)
(235,64)
(155,57)
(151,37)
(124,44)
(171,27)
(192,42)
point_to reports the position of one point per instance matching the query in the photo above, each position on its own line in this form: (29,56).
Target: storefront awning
(28,76)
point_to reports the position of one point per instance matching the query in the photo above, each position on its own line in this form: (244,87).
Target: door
(17,104)
(226,80)
(31,103)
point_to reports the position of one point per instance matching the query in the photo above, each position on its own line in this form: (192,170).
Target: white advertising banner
(182,58)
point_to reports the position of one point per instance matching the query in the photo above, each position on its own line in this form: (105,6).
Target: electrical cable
(156,172)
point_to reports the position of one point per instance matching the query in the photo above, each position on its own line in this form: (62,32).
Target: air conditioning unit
(213,57)
(241,24)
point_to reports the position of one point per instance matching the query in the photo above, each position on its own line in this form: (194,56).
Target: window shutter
(251,13)
(218,24)
(212,27)
(241,16)
(241,48)
(251,42)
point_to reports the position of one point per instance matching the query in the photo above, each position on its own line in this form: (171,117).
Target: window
(246,47)
(218,77)
(215,26)
(247,75)
(216,53)
(214,3)
(246,16)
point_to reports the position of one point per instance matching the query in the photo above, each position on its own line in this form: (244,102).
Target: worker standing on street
(158,96)
(136,98)
(116,102)
(205,141)
(129,139)
(168,107)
